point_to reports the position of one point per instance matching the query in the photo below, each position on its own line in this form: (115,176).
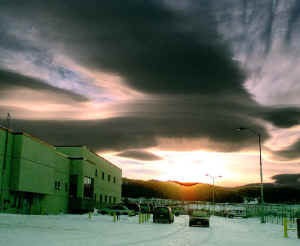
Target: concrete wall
(6,147)
(35,176)
(89,164)
(104,186)
(35,167)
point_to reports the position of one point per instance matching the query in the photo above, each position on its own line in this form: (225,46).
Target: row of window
(88,191)
(108,176)
(58,185)
(107,199)
(88,187)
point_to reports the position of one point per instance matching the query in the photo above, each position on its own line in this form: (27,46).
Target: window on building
(96,173)
(114,199)
(114,179)
(100,198)
(108,178)
(102,175)
(105,198)
(88,190)
(57,185)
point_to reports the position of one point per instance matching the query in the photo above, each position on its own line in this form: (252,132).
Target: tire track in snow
(181,228)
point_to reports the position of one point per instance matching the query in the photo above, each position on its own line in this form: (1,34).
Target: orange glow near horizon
(235,168)
(193,167)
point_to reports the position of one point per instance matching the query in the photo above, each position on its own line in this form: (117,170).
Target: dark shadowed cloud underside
(175,54)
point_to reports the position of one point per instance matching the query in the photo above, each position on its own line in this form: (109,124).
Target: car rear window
(132,206)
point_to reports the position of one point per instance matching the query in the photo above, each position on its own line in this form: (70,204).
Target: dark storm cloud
(141,131)
(154,49)
(100,135)
(290,153)
(267,34)
(175,55)
(287,179)
(140,155)
(294,18)
(281,117)
(10,80)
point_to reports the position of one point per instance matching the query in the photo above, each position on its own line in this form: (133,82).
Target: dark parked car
(237,213)
(199,218)
(163,215)
(116,209)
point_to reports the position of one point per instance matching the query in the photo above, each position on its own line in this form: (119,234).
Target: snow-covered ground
(78,230)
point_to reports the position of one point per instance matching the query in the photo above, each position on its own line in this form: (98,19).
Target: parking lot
(101,230)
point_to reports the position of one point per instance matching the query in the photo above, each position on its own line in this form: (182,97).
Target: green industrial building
(38,178)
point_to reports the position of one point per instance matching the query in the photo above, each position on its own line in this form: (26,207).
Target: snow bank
(78,230)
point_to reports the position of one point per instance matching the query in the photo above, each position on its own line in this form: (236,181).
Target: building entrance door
(25,204)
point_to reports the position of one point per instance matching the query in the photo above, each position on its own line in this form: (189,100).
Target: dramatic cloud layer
(290,153)
(282,117)
(287,179)
(140,155)
(196,71)
(11,81)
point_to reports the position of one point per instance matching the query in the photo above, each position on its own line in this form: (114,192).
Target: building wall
(36,170)
(105,187)
(88,164)
(6,147)
(35,176)
(33,168)
(71,151)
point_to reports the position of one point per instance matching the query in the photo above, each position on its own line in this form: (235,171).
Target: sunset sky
(158,87)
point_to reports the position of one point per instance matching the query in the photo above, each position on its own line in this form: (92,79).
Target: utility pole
(262,202)
(8,119)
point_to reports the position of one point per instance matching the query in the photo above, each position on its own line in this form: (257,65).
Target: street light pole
(262,203)
(213,191)
(261,184)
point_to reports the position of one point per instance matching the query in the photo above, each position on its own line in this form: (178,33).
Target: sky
(159,87)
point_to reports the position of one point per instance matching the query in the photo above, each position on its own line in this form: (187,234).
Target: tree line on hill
(273,193)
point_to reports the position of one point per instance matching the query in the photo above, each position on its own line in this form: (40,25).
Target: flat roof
(6,129)
(58,146)
(68,146)
(33,138)
(84,146)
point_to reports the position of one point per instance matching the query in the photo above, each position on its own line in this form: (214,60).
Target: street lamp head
(249,129)
(208,175)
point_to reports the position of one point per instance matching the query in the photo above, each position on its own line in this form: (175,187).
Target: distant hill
(177,191)
(273,193)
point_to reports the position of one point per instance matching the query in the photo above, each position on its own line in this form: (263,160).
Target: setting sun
(192,166)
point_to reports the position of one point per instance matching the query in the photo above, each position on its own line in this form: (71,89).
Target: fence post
(298,227)
(285,227)
(115,217)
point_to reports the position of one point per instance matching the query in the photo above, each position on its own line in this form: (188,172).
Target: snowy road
(78,230)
